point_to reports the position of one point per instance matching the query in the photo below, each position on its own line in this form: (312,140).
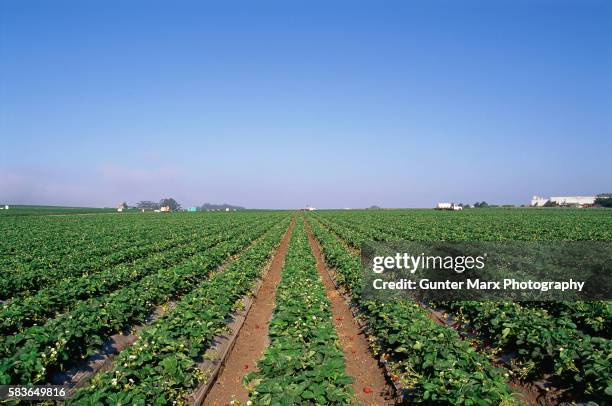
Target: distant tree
(550,203)
(147,204)
(173,204)
(481,205)
(374,207)
(604,200)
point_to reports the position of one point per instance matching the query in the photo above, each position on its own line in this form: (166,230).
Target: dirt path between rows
(370,385)
(252,339)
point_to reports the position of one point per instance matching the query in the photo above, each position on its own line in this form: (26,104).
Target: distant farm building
(579,201)
(538,201)
(5,207)
(192,209)
(448,206)
(165,209)
(122,206)
(573,200)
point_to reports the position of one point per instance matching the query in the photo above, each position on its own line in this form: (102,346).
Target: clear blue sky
(287,103)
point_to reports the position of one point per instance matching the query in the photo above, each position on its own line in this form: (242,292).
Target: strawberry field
(71,282)
(484,350)
(154,295)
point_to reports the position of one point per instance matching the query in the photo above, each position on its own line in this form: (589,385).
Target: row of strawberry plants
(161,367)
(36,266)
(25,311)
(31,355)
(593,318)
(541,344)
(431,363)
(303,364)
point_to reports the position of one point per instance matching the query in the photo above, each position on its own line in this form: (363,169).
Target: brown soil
(531,395)
(370,385)
(252,339)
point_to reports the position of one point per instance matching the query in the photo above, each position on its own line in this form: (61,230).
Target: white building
(538,201)
(573,200)
(563,200)
(448,206)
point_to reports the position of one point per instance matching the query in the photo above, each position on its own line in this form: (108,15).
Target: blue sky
(287,103)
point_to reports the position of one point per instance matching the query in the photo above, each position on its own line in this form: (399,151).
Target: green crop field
(169,285)
(29,210)
(568,340)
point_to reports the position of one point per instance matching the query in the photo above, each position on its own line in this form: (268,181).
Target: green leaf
(307,394)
